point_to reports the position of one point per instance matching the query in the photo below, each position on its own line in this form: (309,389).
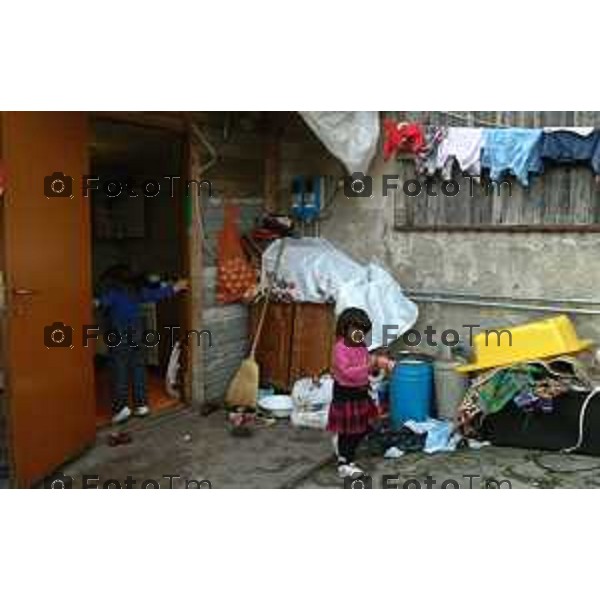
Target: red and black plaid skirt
(351,410)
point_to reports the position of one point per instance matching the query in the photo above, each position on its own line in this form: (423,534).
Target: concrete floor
(280,456)
(201,448)
(488,467)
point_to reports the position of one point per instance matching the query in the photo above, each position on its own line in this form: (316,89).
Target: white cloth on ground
(439,435)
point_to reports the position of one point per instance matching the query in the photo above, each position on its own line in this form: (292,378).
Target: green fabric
(188,211)
(504,385)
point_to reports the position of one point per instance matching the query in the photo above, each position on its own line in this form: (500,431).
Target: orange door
(51,404)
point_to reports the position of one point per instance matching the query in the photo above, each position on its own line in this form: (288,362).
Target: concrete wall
(517,264)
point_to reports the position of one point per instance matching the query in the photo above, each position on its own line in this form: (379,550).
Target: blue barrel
(411,391)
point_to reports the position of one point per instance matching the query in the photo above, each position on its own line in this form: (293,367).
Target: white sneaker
(141,411)
(350,470)
(121,416)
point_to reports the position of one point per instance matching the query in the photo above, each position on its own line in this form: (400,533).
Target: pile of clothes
(520,152)
(382,438)
(510,399)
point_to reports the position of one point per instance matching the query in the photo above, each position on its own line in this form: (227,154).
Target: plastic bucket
(450,388)
(411,391)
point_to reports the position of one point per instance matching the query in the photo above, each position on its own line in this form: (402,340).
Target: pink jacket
(350,364)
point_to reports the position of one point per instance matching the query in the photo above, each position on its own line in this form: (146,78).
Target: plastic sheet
(350,136)
(320,273)
(378,293)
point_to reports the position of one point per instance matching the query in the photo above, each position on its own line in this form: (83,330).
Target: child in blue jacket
(120,301)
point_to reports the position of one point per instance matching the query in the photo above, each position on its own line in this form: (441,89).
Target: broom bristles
(243,389)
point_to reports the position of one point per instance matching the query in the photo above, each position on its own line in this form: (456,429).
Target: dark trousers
(128,363)
(347,445)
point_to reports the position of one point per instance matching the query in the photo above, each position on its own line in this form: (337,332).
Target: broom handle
(263,314)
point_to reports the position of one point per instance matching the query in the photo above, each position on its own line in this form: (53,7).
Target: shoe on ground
(350,470)
(121,416)
(141,411)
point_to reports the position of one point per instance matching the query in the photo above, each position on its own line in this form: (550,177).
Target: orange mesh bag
(236,279)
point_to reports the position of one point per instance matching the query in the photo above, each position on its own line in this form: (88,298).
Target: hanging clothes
(515,151)
(402,137)
(570,146)
(578,130)
(426,160)
(463,145)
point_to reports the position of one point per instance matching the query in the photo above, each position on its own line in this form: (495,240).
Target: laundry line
(504,305)
(473,120)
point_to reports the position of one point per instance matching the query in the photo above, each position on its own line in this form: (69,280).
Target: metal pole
(506,305)
(453,294)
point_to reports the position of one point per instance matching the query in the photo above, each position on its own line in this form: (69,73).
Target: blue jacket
(123,307)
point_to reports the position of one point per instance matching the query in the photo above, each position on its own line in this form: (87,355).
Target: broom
(243,389)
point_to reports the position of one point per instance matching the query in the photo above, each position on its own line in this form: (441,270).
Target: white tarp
(321,272)
(350,136)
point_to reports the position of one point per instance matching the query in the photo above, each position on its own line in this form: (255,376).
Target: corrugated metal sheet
(228,324)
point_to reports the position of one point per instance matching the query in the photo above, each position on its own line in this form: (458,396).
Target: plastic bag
(311,399)
(312,420)
(440,436)
(315,267)
(350,136)
(312,395)
(235,276)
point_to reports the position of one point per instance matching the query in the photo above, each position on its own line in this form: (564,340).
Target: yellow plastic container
(540,339)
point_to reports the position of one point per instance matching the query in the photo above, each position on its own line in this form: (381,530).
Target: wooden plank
(562,199)
(173,121)
(313,340)
(193,357)
(272,176)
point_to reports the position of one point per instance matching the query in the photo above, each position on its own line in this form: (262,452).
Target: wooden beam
(171,121)
(273,164)
(195,379)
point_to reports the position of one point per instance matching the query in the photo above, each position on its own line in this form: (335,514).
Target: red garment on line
(402,137)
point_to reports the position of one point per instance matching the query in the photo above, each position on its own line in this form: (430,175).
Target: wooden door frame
(190,254)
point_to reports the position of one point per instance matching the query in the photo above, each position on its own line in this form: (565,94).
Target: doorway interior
(142,226)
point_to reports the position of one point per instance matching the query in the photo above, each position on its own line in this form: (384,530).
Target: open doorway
(137,221)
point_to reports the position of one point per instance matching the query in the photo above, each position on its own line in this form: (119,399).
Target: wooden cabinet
(296,341)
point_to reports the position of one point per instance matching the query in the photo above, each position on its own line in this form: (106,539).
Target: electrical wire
(197,132)
(582,412)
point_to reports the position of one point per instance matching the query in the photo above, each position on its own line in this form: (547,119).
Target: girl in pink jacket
(352,412)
